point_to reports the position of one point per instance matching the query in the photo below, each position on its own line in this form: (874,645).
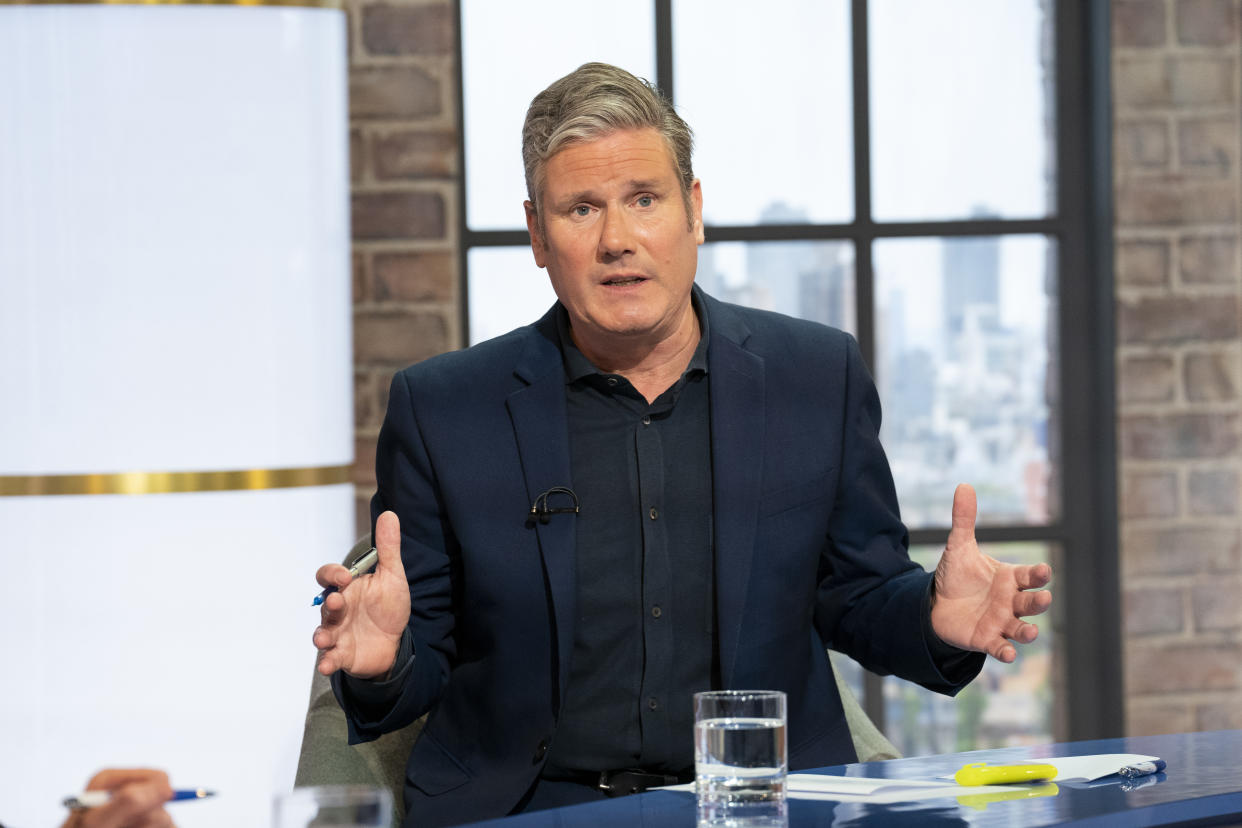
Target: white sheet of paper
(866,789)
(870,789)
(1089,768)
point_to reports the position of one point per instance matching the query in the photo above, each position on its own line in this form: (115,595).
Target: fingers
(965,507)
(1004,652)
(337,637)
(388,543)
(324,638)
(332,575)
(1031,603)
(102,818)
(1032,577)
(155,819)
(111,778)
(137,799)
(1002,649)
(328,663)
(1022,632)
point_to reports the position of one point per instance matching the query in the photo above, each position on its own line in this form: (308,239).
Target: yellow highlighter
(981,773)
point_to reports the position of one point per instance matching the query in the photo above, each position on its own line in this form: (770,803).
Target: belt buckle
(608,783)
(624,782)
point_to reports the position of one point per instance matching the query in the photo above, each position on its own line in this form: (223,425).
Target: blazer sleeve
(872,602)
(406,484)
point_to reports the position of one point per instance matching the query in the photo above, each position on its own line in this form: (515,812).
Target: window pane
(962,360)
(1007,704)
(961,106)
(506,61)
(810,279)
(506,290)
(768,95)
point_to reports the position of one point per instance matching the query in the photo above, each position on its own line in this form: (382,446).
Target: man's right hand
(363,620)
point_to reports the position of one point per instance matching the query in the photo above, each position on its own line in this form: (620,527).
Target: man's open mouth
(625,280)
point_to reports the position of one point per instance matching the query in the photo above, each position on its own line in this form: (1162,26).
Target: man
(737,513)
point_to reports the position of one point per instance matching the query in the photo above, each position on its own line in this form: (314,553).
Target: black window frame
(1087,582)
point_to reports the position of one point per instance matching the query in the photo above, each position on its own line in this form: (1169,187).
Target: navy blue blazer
(810,550)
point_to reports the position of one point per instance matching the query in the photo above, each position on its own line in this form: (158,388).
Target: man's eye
(582,210)
(645,201)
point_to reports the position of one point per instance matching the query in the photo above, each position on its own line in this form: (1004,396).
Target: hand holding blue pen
(357,568)
(96,799)
(361,626)
(125,798)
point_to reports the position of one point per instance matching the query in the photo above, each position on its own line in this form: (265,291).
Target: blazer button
(540,752)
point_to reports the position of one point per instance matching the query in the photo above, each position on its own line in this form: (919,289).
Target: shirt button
(612,380)
(654,514)
(540,751)
(655,611)
(653,703)
(646,421)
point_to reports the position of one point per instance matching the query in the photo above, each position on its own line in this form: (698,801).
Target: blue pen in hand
(95,799)
(1142,769)
(359,566)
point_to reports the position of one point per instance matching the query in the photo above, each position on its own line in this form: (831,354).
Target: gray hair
(593,101)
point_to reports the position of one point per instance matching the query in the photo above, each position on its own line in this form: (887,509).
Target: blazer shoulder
(769,333)
(485,366)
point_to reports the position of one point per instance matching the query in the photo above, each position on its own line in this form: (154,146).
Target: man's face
(616,239)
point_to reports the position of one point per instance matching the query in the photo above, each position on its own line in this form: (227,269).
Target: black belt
(627,780)
(631,780)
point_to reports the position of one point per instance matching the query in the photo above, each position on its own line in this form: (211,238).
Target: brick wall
(405,191)
(1176,82)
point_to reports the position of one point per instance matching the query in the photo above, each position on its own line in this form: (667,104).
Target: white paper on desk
(1088,768)
(871,789)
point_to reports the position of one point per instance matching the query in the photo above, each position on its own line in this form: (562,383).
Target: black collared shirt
(644,638)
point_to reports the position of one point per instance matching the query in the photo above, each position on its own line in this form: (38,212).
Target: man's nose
(616,237)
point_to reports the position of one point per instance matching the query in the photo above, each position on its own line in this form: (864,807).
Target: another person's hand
(362,624)
(138,797)
(978,602)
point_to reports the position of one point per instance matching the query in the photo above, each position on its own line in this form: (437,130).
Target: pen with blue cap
(1142,769)
(357,568)
(96,799)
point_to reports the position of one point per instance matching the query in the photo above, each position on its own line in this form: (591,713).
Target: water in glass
(740,758)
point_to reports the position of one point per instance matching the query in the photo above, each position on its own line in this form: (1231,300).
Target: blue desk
(1203,785)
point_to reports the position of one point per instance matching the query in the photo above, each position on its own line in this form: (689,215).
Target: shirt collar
(578,366)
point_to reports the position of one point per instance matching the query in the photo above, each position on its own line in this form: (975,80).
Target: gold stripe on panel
(139,482)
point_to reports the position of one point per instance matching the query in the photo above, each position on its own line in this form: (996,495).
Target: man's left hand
(978,602)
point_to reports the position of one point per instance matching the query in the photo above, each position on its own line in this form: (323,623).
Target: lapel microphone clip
(541,511)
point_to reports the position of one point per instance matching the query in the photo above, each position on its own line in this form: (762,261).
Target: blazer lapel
(540,425)
(737,396)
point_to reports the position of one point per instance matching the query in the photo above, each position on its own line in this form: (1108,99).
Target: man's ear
(536,236)
(696,210)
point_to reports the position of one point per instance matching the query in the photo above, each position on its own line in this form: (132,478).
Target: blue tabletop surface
(1203,782)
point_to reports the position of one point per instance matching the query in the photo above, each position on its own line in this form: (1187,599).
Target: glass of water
(334,806)
(740,754)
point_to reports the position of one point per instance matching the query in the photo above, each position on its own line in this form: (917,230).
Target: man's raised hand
(978,602)
(362,622)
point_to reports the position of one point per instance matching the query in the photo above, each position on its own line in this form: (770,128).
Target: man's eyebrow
(645,184)
(632,186)
(574,198)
